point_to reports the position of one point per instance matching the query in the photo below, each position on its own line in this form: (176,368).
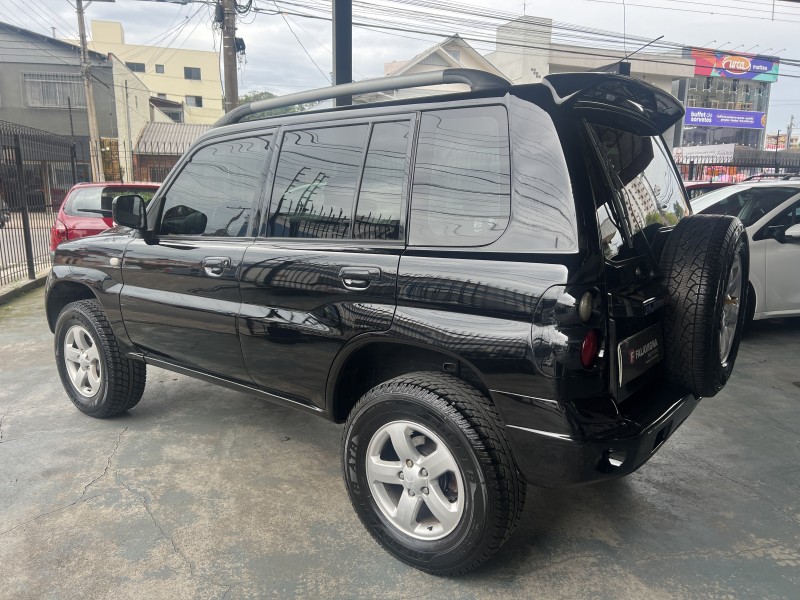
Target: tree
(255,96)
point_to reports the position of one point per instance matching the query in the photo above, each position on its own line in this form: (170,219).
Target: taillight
(590,347)
(58,234)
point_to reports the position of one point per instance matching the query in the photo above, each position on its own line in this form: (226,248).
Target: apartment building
(191,77)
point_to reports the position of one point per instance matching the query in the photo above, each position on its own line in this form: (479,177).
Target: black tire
(470,429)
(121,380)
(696,261)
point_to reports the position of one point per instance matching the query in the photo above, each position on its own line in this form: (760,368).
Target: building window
(196,101)
(160,69)
(53,90)
(135,67)
(191,73)
(162,96)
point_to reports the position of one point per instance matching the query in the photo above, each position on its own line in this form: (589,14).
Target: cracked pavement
(202,492)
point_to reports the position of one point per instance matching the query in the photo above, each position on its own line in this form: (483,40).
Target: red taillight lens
(58,234)
(589,348)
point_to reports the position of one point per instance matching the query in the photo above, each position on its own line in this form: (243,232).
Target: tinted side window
(315,182)
(213,194)
(380,201)
(461,192)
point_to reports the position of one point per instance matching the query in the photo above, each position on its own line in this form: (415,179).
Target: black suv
(489,288)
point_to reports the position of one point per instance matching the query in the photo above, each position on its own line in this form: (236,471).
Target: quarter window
(380,201)
(315,182)
(461,193)
(213,194)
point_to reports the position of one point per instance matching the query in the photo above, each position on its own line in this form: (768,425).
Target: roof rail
(477,80)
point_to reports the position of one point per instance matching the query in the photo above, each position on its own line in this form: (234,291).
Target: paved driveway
(201,492)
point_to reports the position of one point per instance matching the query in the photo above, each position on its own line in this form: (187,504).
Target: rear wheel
(99,379)
(706,265)
(429,471)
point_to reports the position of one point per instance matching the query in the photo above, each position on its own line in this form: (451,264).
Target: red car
(698,188)
(86,209)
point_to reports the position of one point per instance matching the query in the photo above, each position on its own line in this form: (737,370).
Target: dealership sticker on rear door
(639,352)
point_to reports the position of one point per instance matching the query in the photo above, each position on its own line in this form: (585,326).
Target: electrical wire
(327,78)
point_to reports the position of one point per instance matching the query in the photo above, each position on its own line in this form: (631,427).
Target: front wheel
(429,471)
(99,379)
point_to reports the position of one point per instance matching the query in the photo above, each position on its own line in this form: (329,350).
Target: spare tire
(706,265)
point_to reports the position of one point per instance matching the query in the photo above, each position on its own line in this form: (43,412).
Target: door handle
(215,266)
(359,278)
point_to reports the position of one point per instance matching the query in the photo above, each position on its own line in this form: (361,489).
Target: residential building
(160,145)
(134,108)
(190,77)
(41,87)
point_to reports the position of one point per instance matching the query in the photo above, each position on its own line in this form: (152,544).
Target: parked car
(698,188)
(770,210)
(86,209)
(489,289)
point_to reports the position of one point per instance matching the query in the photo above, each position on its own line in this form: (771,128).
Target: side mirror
(793,233)
(128,211)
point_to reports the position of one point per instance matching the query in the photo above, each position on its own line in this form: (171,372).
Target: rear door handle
(359,278)
(215,266)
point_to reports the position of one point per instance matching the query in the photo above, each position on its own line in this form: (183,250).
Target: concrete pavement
(201,492)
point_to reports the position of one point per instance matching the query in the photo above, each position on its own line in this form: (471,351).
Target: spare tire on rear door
(706,262)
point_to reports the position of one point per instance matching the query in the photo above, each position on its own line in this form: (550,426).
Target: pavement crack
(8,410)
(105,470)
(82,497)
(157,525)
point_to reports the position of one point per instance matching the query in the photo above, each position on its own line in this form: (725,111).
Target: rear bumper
(586,447)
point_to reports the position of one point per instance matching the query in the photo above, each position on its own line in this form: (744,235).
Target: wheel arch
(370,360)
(62,293)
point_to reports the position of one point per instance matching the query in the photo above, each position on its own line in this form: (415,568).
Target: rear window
(643,173)
(749,204)
(96,201)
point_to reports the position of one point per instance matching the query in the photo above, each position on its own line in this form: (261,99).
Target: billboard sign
(708,63)
(715,117)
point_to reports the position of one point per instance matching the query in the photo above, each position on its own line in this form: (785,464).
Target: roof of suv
(652,108)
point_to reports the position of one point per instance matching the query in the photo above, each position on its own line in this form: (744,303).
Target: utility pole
(91,114)
(129,149)
(342,46)
(789,130)
(231,78)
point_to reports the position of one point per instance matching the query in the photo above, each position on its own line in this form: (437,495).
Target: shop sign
(735,66)
(715,117)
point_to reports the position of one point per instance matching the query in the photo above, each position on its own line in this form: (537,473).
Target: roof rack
(475,79)
(774,176)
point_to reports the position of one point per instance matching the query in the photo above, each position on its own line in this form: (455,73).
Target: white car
(770,210)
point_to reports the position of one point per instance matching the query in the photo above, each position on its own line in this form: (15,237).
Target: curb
(14,290)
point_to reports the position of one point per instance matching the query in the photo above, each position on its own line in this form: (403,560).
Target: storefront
(727,100)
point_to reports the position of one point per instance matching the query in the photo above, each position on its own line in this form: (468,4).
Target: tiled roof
(168,138)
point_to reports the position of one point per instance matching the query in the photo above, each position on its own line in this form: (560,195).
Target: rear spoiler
(606,97)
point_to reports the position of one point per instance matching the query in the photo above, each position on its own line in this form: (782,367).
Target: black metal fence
(37,169)
(710,168)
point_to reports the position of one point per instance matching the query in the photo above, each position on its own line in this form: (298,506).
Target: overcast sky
(277,62)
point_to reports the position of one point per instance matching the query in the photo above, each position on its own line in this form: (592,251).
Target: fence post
(73,160)
(691,170)
(26,220)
